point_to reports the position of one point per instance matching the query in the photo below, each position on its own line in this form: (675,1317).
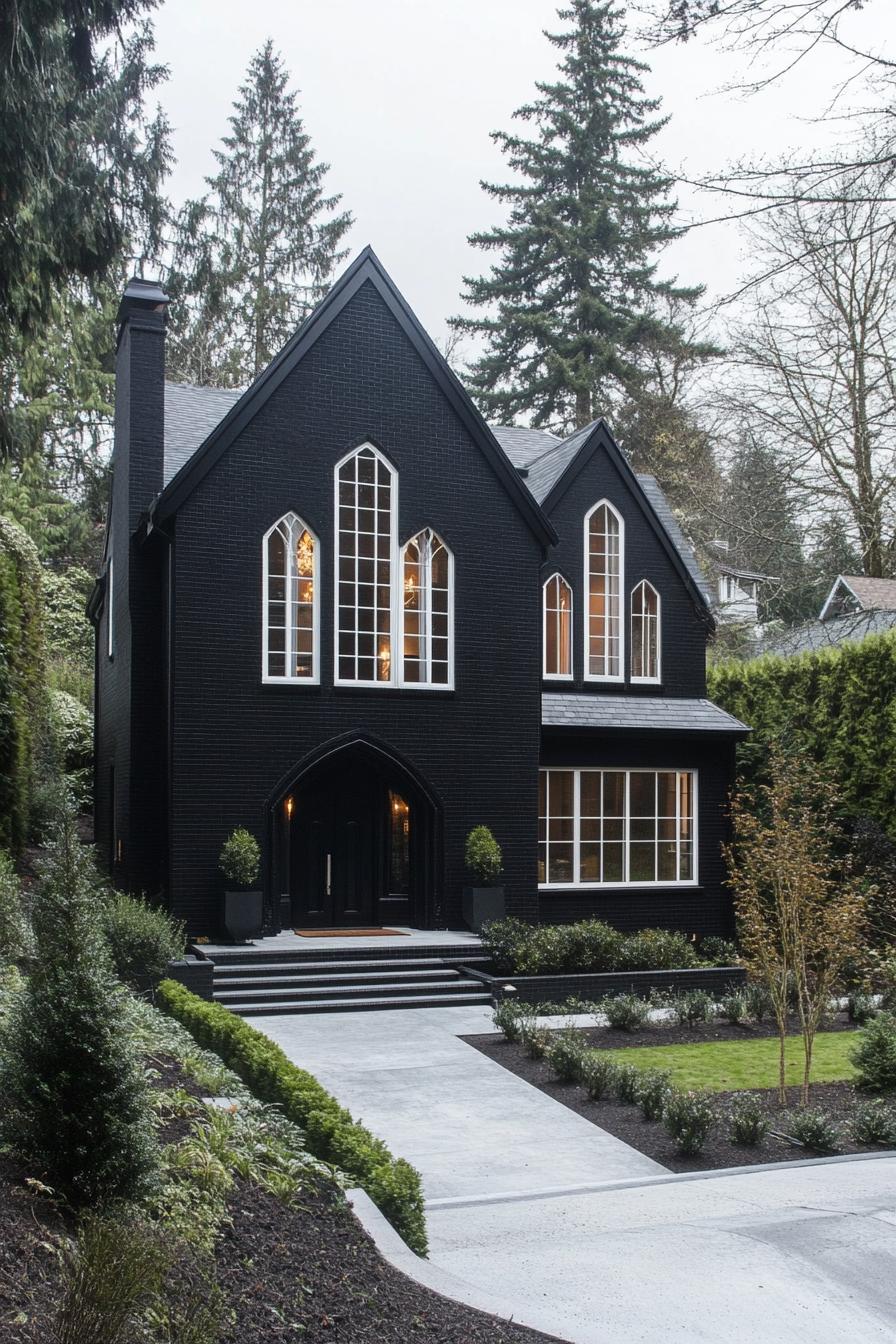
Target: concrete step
(298,992)
(373,978)
(255,955)
(227,969)
(368,1005)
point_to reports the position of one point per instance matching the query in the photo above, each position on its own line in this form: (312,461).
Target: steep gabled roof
(550,474)
(366,269)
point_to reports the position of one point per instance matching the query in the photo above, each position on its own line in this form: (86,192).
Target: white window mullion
(626,829)
(576,825)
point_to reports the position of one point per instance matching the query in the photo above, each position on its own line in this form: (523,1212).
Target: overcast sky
(399,96)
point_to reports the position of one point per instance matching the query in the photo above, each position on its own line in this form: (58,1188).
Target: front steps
(252,982)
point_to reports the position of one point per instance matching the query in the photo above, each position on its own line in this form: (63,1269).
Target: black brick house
(341,611)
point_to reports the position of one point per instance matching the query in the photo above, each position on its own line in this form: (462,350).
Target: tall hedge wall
(21,679)
(838,705)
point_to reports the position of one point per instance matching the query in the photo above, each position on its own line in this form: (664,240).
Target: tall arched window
(291,622)
(557,627)
(366,509)
(427,602)
(645,614)
(604,582)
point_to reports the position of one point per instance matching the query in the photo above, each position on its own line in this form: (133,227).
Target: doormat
(350,933)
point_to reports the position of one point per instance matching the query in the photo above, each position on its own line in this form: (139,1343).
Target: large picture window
(616,827)
(291,602)
(645,638)
(426,611)
(366,509)
(603,575)
(557,627)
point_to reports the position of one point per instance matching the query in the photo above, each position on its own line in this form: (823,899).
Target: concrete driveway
(528,1200)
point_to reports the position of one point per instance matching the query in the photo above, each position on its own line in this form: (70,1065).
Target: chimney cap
(141,296)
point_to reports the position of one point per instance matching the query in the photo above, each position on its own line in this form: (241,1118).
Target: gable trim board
(365,269)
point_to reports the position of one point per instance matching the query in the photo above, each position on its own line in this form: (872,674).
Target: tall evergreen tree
(255,256)
(574,292)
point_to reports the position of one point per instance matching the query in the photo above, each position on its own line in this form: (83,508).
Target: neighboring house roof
(744,573)
(366,269)
(636,712)
(829,634)
(867,594)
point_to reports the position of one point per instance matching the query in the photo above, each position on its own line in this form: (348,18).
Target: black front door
(335,854)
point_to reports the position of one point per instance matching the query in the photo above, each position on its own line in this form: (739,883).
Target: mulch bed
(32,1232)
(626,1122)
(310,1270)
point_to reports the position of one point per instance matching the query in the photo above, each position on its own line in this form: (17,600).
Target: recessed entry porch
(355,843)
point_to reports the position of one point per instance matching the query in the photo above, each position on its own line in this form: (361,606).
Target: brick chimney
(139,454)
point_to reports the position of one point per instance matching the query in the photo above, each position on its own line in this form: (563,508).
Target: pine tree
(256,255)
(574,293)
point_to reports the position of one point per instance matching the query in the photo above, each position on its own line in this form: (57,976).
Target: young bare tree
(815,363)
(800,914)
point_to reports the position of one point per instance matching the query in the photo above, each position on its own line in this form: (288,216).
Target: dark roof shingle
(636,713)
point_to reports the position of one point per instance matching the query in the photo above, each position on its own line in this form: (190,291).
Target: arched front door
(356,844)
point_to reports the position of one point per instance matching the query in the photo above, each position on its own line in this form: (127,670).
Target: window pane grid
(291,562)
(426,610)
(645,619)
(557,627)
(615,827)
(364,567)
(604,643)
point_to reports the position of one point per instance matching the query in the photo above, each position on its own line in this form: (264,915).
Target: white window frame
(398,582)
(588,674)
(556,676)
(394,561)
(636,677)
(296,525)
(657,885)
(110,620)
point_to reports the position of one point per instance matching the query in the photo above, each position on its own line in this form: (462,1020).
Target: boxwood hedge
(331,1133)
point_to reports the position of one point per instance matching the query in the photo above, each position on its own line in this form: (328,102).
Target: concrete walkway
(468,1125)
(805,1255)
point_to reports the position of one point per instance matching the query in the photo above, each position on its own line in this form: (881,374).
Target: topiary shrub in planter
(240,864)
(875,1054)
(656,950)
(142,939)
(483,903)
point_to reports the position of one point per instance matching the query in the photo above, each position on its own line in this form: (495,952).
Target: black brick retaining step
(253,981)
(258,955)
(366,1005)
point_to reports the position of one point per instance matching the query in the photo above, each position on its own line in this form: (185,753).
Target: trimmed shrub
(733,1006)
(875,1054)
(718,951)
(758,999)
(240,858)
(689,1118)
(874,1122)
(77,1105)
(535,1039)
(656,950)
(748,1122)
(599,1073)
(653,1092)
(860,1008)
(142,938)
(691,1007)
(625,1012)
(483,856)
(509,1016)
(332,1134)
(813,1129)
(566,1055)
(627,1082)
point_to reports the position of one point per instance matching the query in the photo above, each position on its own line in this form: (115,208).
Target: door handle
(329,874)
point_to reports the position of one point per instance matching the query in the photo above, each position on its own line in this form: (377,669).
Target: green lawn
(727,1066)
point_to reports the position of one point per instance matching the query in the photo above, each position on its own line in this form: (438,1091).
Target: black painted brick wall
(234,738)
(683,632)
(704,909)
